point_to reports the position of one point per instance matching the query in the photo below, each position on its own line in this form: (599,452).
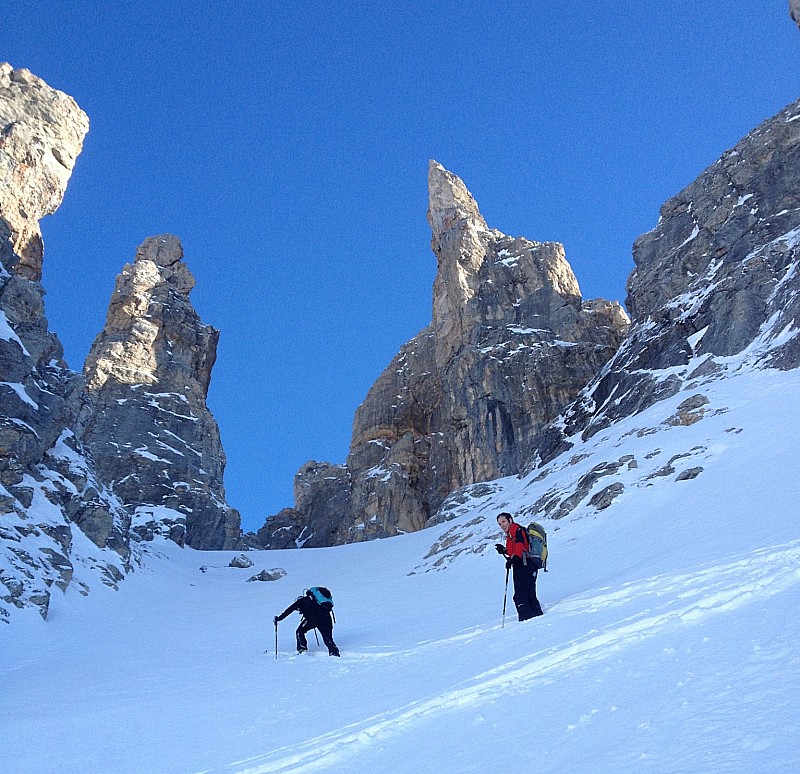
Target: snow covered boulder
(269,575)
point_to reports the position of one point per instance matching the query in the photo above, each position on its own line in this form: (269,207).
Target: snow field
(668,643)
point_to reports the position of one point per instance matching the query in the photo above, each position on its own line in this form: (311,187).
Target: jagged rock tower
(47,485)
(511,343)
(715,281)
(145,418)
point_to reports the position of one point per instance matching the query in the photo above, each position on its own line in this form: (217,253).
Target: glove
(508,564)
(500,549)
(275,620)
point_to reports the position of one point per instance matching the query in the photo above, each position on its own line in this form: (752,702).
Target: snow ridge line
(688,598)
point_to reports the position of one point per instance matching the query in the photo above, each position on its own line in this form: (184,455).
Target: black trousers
(525,599)
(325,629)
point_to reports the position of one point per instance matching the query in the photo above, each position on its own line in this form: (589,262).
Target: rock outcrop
(511,343)
(47,484)
(41,135)
(145,417)
(90,467)
(715,281)
(794,11)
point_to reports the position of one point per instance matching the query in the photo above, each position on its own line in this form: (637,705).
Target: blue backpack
(322,597)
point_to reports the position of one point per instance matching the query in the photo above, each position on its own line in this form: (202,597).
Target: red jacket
(516,541)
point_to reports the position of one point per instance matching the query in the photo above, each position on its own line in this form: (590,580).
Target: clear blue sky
(287,144)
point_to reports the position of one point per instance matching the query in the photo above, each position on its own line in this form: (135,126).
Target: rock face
(511,343)
(80,457)
(47,484)
(144,416)
(794,11)
(716,278)
(41,135)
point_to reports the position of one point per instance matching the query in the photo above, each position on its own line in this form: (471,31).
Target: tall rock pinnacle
(511,342)
(145,417)
(459,240)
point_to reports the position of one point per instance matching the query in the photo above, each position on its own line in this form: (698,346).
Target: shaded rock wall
(718,279)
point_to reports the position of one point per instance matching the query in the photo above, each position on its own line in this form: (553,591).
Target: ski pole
(505,599)
(276,640)
(317,636)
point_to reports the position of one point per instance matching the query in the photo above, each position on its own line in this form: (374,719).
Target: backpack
(537,545)
(322,597)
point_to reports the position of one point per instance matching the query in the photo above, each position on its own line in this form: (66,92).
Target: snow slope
(669,642)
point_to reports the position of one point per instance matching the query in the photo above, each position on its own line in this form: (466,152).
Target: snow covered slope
(669,641)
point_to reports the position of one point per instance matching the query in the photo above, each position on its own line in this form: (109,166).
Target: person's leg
(522,581)
(302,645)
(326,630)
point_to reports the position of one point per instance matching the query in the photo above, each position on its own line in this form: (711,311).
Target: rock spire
(145,417)
(41,135)
(511,342)
(129,452)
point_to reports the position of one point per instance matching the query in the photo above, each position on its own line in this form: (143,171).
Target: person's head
(505,520)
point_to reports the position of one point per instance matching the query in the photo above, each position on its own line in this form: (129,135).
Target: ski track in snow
(674,601)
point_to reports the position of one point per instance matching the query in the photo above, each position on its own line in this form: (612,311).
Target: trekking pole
(505,599)
(276,640)
(317,636)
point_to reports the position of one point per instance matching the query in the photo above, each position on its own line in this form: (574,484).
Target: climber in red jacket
(525,573)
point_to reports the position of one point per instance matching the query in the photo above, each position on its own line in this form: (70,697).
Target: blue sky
(287,145)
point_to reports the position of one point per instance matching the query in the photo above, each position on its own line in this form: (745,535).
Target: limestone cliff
(511,342)
(716,278)
(47,484)
(89,468)
(145,417)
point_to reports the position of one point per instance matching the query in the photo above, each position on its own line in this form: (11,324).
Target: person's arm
(294,606)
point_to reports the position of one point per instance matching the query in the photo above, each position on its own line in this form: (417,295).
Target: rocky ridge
(510,343)
(63,524)
(716,278)
(48,486)
(144,415)
(715,297)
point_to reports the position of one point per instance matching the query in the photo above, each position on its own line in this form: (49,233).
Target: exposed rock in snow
(717,283)
(269,575)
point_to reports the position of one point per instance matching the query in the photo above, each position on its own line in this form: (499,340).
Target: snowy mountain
(511,343)
(92,464)
(668,642)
